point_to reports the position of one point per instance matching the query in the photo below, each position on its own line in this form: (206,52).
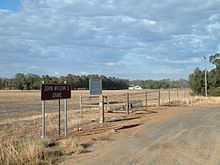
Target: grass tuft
(25,151)
(70,146)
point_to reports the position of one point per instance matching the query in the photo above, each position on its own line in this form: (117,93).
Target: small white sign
(95,87)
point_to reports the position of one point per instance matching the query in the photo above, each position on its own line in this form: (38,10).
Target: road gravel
(192,138)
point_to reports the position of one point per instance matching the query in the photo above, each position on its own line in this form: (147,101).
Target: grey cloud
(108,37)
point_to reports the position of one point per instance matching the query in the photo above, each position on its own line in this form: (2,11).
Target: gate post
(101,109)
(159,98)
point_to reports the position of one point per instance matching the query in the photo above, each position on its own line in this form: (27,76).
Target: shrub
(214,91)
(70,146)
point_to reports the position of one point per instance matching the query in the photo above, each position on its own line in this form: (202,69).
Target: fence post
(159,98)
(127,104)
(80,104)
(169,95)
(146,99)
(177,94)
(89,103)
(107,104)
(101,109)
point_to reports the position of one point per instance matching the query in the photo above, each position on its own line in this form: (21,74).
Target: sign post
(65,114)
(59,116)
(43,117)
(55,92)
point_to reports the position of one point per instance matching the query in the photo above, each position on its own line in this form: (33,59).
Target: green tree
(196,81)
(214,77)
(20,81)
(47,79)
(32,81)
(214,59)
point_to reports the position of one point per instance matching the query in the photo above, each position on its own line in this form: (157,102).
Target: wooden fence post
(101,109)
(107,103)
(159,98)
(169,95)
(127,104)
(177,94)
(80,104)
(90,102)
(146,99)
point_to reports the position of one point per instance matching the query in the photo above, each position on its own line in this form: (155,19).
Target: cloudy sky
(134,39)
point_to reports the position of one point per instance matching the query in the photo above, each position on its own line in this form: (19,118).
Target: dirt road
(190,138)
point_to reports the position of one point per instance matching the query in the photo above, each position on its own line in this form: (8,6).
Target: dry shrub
(70,146)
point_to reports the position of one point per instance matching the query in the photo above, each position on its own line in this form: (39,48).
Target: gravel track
(190,138)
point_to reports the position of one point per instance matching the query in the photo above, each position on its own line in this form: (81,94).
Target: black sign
(52,92)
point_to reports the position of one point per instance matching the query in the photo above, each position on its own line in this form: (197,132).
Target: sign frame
(95,86)
(46,95)
(55,92)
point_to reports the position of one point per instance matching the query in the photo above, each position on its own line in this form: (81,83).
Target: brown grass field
(20,121)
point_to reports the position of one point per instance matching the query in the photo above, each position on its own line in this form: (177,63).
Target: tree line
(197,78)
(160,84)
(33,81)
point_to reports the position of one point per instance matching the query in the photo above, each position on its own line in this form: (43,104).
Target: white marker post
(43,117)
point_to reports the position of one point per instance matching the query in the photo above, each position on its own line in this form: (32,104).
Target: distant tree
(196,81)
(20,81)
(73,80)
(47,79)
(62,79)
(32,81)
(214,76)
(214,59)
(1,81)
(156,84)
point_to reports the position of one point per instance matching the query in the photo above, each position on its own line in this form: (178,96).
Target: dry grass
(20,151)
(70,146)
(27,151)
(20,122)
(20,116)
(205,101)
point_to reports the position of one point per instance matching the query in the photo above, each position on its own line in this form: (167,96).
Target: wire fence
(22,109)
(135,99)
